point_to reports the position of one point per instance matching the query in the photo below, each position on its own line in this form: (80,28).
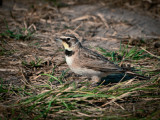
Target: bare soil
(103,24)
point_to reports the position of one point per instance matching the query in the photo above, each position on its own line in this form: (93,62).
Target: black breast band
(69,53)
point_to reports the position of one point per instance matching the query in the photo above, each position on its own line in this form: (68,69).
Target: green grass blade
(53,77)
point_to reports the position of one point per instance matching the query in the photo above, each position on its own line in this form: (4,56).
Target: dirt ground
(28,30)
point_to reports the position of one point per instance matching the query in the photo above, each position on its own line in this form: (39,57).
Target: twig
(8,70)
(103,20)
(119,106)
(122,78)
(119,97)
(77,27)
(124,95)
(83,18)
(150,53)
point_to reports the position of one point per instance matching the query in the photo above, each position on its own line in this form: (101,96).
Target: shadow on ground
(115,78)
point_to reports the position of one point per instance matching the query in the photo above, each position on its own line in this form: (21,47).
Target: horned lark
(86,62)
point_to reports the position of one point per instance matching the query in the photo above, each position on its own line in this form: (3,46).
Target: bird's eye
(68,38)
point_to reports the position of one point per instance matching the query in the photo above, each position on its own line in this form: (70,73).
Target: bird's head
(70,42)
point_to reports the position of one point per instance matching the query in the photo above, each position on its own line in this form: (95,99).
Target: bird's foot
(95,80)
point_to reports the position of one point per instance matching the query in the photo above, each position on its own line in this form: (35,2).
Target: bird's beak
(58,40)
(62,40)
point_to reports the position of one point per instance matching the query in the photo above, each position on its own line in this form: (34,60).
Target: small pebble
(157,44)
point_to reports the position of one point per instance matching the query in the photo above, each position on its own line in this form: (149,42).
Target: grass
(73,100)
(34,63)
(4,51)
(68,98)
(129,56)
(78,100)
(47,93)
(124,54)
(23,34)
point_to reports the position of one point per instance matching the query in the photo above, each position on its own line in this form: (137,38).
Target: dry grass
(37,84)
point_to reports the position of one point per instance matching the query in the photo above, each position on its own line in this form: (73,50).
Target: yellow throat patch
(66,46)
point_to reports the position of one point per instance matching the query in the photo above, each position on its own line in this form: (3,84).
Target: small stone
(157,44)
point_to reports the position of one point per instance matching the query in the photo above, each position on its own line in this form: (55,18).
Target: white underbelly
(69,60)
(81,71)
(85,72)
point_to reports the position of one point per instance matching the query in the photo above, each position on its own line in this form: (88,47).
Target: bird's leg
(95,80)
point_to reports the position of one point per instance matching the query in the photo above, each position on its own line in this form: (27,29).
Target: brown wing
(93,60)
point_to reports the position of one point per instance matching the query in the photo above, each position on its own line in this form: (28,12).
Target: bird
(86,62)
